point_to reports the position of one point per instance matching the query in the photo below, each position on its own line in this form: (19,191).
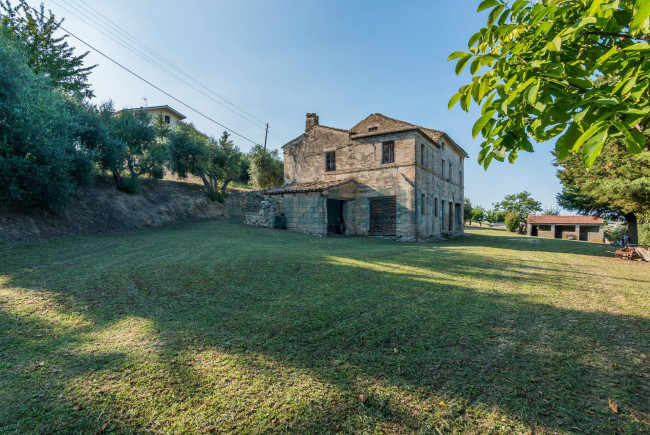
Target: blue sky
(278,60)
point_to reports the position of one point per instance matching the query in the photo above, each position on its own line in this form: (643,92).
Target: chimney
(312,120)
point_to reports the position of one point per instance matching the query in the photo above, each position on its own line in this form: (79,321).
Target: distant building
(169,115)
(585,228)
(382,177)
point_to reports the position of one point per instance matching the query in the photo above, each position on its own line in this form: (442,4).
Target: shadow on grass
(485,237)
(404,325)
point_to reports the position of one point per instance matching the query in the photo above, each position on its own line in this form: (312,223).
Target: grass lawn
(210,327)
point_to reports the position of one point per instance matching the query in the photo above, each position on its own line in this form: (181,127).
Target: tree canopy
(468,209)
(46,53)
(521,203)
(215,162)
(478,214)
(144,154)
(616,186)
(537,70)
(40,162)
(266,168)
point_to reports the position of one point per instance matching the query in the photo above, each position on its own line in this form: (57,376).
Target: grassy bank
(216,327)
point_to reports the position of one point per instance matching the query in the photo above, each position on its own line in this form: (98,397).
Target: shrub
(512,222)
(217,195)
(129,184)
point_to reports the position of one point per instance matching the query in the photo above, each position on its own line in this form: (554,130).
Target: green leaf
(580,24)
(486,4)
(457,54)
(555,44)
(461,64)
(633,142)
(467,100)
(578,116)
(583,83)
(476,65)
(483,153)
(609,101)
(494,14)
(526,146)
(531,93)
(487,160)
(478,126)
(475,37)
(514,94)
(565,142)
(593,147)
(454,99)
(601,60)
(639,46)
(641,13)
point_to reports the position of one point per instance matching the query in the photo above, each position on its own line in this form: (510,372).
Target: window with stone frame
(388,152)
(435,208)
(423,160)
(449,173)
(330,161)
(168,119)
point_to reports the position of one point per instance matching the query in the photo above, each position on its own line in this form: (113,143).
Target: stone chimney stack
(312,120)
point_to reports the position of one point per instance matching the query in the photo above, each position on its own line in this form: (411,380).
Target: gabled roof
(296,141)
(318,186)
(385,124)
(570,220)
(176,113)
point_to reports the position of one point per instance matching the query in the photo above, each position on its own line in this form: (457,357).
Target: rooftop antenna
(145,101)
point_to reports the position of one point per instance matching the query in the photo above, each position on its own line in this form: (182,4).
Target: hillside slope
(102,208)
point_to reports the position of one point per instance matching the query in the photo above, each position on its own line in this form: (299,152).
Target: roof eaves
(178,114)
(379,133)
(293,141)
(306,187)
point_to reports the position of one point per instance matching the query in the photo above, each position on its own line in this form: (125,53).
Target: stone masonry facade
(382,177)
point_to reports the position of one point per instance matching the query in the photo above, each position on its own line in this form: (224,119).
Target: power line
(156,87)
(126,44)
(132,37)
(127,38)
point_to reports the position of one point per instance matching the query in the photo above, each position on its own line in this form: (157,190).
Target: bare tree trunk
(119,182)
(225,184)
(632,228)
(206,183)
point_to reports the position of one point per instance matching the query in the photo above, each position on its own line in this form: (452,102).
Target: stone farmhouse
(382,177)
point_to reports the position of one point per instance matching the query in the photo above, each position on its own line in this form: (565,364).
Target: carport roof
(570,220)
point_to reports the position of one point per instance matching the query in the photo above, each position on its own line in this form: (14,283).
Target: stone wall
(437,183)
(304,212)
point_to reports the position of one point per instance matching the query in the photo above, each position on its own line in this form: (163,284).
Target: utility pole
(266,135)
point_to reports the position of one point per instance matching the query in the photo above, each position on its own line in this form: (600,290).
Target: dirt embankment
(103,208)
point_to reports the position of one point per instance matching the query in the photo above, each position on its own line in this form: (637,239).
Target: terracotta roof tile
(318,186)
(550,219)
